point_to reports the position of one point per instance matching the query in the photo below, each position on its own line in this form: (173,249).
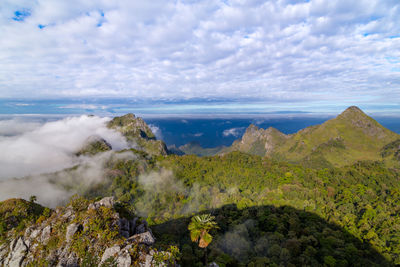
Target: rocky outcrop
(17,253)
(93,145)
(138,133)
(258,141)
(82,232)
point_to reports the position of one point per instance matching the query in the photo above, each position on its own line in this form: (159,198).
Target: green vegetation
(93,146)
(17,214)
(199,229)
(357,202)
(194,148)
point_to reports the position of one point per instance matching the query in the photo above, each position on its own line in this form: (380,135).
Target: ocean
(212,132)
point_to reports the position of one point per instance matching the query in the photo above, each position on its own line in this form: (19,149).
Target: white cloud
(56,188)
(51,146)
(236,132)
(325,50)
(16,126)
(156,131)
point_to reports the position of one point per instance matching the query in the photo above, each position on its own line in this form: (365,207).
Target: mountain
(349,137)
(138,133)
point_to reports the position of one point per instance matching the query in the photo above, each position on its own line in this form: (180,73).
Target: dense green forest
(282,213)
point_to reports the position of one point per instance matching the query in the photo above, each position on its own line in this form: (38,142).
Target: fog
(33,149)
(34,157)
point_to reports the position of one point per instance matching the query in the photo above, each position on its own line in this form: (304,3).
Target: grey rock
(68,260)
(3,253)
(34,234)
(110,252)
(44,238)
(106,202)
(213,264)
(69,214)
(17,254)
(71,230)
(147,260)
(144,238)
(124,259)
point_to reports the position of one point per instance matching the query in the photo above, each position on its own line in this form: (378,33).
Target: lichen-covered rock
(146,238)
(105,202)
(18,251)
(3,253)
(110,252)
(71,230)
(46,232)
(124,258)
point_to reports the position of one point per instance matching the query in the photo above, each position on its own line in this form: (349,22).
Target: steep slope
(138,133)
(349,137)
(258,141)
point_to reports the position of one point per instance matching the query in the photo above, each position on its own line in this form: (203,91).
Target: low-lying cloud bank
(56,188)
(51,146)
(35,155)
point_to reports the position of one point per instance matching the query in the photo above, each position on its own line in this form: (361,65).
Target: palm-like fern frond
(199,228)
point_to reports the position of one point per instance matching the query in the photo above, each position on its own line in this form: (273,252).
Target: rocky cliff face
(138,133)
(258,141)
(80,234)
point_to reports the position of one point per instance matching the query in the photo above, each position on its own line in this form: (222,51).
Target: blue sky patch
(20,15)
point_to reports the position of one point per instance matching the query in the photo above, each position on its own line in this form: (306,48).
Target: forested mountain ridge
(349,137)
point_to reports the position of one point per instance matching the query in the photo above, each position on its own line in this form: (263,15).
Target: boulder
(110,252)
(124,259)
(71,230)
(106,202)
(146,238)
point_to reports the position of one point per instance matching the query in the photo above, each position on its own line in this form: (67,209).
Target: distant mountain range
(350,137)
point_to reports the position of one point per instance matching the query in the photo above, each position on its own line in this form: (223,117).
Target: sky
(239,55)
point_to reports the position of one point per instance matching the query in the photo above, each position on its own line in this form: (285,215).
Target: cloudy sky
(312,53)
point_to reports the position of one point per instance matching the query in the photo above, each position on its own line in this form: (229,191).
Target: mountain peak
(353,110)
